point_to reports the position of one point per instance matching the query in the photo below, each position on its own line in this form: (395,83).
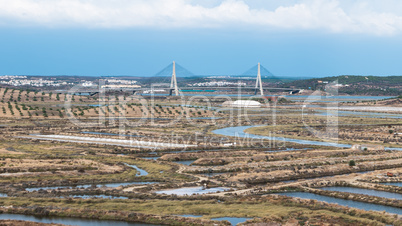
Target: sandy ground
(24,223)
(5,151)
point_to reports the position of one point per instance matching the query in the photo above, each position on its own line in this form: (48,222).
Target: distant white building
(369,147)
(154,91)
(339,85)
(87,84)
(120,86)
(218,83)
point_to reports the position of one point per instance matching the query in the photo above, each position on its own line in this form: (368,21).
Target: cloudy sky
(140,37)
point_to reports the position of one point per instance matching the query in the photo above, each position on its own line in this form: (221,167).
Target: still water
(344,202)
(111,185)
(98,196)
(232,220)
(186,162)
(69,220)
(191,191)
(399,184)
(238,132)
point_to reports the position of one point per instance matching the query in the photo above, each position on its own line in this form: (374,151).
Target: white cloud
(338,16)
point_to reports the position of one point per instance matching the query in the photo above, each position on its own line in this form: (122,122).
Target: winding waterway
(140,172)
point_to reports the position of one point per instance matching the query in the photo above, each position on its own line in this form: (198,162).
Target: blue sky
(291,38)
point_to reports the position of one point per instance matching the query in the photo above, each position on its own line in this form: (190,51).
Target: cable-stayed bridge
(173,89)
(258,88)
(168,71)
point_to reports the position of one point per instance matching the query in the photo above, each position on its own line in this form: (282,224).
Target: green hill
(355,85)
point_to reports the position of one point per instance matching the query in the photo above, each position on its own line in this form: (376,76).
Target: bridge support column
(258,84)
(173,83)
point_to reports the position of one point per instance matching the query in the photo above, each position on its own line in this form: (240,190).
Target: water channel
(363,191)
(140,172)
(399,184)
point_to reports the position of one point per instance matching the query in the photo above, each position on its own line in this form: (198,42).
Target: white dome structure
(242,104)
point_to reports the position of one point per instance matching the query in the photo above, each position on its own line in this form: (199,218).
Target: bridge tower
(173,83)
(258,84)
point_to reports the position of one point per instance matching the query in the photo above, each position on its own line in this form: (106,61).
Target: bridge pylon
(258,83)
(173,83)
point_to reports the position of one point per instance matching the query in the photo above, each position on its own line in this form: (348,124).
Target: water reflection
(191,191)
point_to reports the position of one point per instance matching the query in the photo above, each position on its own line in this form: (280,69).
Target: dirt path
(133,188)
(181,170)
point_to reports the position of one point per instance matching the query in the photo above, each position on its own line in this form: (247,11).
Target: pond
(238,132)
(186,162)
(336,98)
(106,141)
(109,134)
(98,196)
(363,191)
(111,185)
(69,220)
(214,174)
(288,149)
(207,118)
(151,158)
(344,202)
(358,114)
(232,220)
(191,191)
